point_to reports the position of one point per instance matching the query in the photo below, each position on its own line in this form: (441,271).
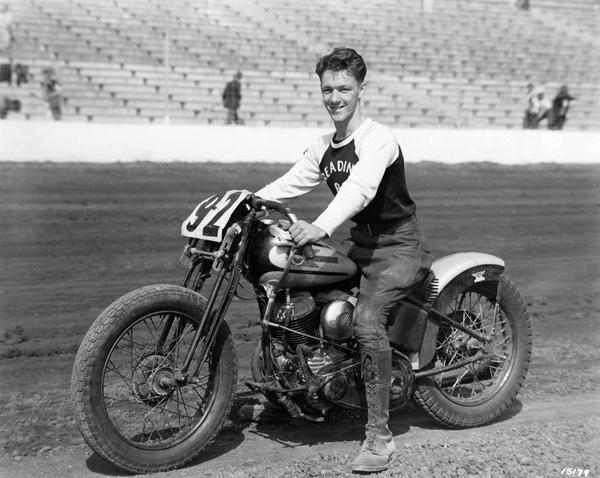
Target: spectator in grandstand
(538,107)
(363,166)
(5,45)
(522,4)
(52,92)
(232,97)
(22,73)
(530,118)
(560,106)
(9,105)
(542,105)
(6,73)
(5,30)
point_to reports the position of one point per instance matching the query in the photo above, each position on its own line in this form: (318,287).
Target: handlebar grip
(308,251)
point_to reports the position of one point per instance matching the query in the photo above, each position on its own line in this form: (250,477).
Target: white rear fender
(463,270)
(449,267)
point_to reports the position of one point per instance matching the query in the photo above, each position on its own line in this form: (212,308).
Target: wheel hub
(458,341)
(153,379)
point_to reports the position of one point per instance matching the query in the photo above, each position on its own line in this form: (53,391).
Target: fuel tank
(268,253)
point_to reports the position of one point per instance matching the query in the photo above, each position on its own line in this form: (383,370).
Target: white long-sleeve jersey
(365,172)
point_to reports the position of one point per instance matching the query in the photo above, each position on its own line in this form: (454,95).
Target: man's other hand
(305,233)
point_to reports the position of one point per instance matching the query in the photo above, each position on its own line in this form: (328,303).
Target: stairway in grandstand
(465,63)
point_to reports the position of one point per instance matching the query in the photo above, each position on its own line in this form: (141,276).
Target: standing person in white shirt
(363,166)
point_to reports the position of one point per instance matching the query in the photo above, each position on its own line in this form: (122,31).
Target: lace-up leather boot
(378,449)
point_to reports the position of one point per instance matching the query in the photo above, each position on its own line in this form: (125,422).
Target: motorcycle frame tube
(266,335)
(318,339)
(265,323)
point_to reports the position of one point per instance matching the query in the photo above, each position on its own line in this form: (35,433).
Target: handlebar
(258,203)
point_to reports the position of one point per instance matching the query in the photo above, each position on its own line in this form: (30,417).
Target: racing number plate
(210,218)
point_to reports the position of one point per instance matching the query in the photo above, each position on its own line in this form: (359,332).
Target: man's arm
(378,151)
(301,178)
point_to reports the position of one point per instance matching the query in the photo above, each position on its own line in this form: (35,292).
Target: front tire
(478,393)
(125,408)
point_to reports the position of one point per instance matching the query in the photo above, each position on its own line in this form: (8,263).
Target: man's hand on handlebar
(302,232)
(305,233)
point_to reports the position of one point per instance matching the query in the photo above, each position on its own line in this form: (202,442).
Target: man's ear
(362,89)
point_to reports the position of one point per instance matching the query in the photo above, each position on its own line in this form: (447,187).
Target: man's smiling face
(341,93)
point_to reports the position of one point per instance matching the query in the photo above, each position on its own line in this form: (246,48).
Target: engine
(298,312)
(331,373)
(328,315)
(336,320)
(298,351)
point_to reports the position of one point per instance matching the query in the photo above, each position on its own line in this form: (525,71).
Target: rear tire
(478,393)
(125,411)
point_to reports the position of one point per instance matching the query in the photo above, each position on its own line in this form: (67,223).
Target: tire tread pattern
(106,322)
(427,395)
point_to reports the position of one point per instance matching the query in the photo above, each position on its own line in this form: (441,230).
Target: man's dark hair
(343,59)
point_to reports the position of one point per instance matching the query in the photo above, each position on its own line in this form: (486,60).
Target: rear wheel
(478,392)
(129,406)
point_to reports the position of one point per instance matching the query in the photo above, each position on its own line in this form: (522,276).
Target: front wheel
(128,405)
(480,391)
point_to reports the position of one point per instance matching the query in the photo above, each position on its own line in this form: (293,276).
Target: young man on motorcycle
(363,166)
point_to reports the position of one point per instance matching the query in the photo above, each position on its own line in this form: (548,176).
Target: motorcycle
(155,374)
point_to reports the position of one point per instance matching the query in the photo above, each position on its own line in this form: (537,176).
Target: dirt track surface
(75,237)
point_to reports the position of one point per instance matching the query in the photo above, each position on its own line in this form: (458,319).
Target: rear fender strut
(438,318)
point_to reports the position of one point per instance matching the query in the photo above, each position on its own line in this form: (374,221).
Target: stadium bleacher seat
(465,63)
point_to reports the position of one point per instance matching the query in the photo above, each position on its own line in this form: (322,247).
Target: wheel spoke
(154,339)
(125,380)
(140,409)
(186,405)
(458,380)
(481,311)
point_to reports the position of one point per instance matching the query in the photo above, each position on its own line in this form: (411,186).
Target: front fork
(196,274)
(228,265)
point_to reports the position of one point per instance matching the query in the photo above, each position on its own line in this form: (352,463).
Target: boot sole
(374,469)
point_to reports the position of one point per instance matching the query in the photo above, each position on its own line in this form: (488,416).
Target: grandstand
(465,63)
